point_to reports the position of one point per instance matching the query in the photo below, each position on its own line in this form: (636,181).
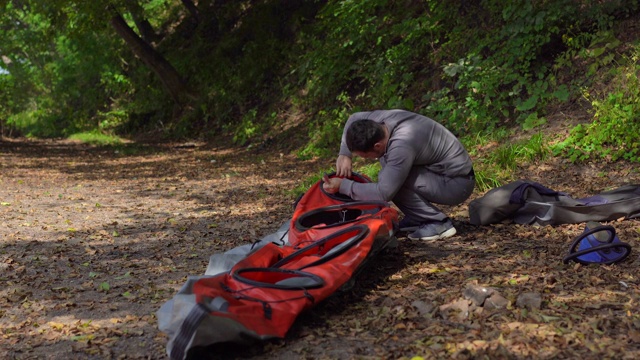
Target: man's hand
(343,166)
(331,185)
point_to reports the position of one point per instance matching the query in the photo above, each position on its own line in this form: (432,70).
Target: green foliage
(112,119)
(60,71)
(237,68)
(487,178)
(496,164)
(306,184)
(247,127)
(379,53)
(96,138)
(370,170)
(476,66)
(596,50)
(512,82)
(511,155)
(365,50)
(537,148)
(615,131)
(327,132)
(30,124)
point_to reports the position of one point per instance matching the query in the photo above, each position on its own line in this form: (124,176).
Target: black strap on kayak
(187,330)
(292,279)
(360,232)
(338,215)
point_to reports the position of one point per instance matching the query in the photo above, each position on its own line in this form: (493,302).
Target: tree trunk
(193,10)
(169,76)
(144,27)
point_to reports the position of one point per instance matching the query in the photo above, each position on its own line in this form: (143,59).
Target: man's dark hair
(363,134)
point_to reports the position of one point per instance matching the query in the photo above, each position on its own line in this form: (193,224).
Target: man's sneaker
(409,224)
(433,231)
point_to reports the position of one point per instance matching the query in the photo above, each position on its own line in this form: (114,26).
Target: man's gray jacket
(414,141)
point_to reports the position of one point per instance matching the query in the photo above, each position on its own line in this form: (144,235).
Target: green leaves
(56,57)
(528,104)
(104,286)
(562,93)
(532,121)
(615,131)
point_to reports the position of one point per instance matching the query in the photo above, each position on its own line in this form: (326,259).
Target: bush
(615,131)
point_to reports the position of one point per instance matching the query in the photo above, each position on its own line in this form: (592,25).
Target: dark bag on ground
(528,202)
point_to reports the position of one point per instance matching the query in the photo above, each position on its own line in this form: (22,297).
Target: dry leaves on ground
(94,241)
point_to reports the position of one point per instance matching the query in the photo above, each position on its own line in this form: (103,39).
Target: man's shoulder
(381,114)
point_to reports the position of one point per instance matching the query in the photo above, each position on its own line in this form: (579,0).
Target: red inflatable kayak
(261,289)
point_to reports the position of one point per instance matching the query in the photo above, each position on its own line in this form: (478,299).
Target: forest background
(259,71)
(139,137)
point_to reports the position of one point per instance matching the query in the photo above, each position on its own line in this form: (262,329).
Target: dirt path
(94,241)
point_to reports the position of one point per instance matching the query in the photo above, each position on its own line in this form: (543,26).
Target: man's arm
(343,166)
(395,170)
(331,185)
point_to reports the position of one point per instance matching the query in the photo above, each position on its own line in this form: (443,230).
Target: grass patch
(496,157)
(369,170)
(306,184)
(96,138)
(509,156)
(115,143)
(614,132)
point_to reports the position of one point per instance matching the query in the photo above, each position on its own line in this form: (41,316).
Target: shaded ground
(93,241)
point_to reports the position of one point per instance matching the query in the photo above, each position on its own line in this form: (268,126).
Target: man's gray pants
(423,188)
